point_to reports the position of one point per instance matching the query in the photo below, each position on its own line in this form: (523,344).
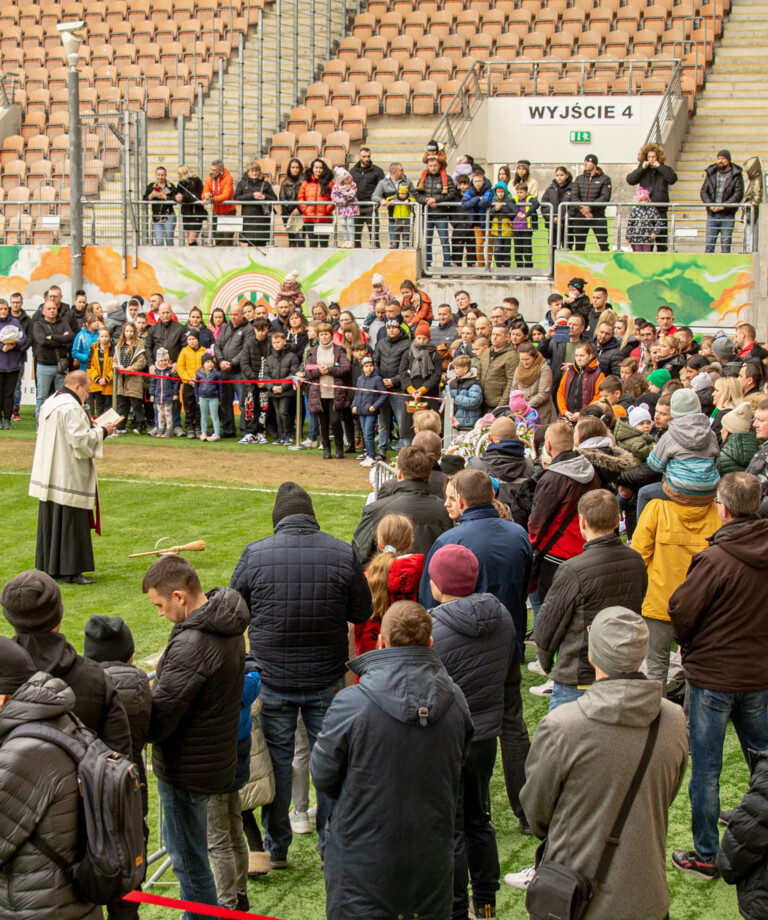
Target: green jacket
(737,451)
(630,439)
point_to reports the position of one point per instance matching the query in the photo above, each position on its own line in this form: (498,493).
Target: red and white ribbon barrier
(143,897)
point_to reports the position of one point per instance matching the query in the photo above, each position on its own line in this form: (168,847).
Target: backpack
(110,794)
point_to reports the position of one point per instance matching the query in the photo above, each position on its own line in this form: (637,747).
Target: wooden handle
(197,546)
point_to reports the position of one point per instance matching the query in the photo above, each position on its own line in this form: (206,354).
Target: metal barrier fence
(677,227)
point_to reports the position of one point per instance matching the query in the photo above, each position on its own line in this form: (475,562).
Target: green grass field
(135,514)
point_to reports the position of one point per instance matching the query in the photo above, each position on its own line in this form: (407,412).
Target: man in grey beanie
(722,191)
(581,763)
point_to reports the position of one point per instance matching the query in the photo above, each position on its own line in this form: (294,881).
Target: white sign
(581,111)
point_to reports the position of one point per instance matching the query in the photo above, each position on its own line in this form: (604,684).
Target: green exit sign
(581,137)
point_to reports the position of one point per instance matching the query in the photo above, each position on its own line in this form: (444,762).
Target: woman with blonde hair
(727,396)
(624,330)
(394,574)
(669,359)
(189,193)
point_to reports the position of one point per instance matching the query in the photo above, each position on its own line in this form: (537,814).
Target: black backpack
(110,794)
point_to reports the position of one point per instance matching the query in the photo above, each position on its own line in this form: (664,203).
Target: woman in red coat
(316,187)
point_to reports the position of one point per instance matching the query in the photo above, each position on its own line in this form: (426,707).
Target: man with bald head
(505,457)
(228,351)
(432,445)
(64,481)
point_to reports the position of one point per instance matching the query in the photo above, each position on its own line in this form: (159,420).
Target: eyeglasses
(719,502)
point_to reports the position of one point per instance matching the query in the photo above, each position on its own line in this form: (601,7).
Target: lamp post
(72,43)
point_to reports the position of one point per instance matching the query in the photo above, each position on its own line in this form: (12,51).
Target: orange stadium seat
(354,120)
(396,98)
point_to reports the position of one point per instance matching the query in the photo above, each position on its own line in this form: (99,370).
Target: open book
(110,417)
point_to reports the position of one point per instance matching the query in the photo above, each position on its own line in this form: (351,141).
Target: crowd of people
(474,218)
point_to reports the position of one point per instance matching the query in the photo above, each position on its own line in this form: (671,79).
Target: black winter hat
(578,283)
(108,639)
(725,153)
(291,499)
(32,602)
(16,667)
(590,158)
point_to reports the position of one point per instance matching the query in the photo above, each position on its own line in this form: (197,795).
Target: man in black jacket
(591,186)
(609,355)
(722,191)
(387,357)
(559,353)
(607,573)
(655,177)
(411,497)
(504,458)
(228,351)
(195,712)
(32,605)
(435,196)
(169,334)
(390,754)
(303,588)
(52,340)
(366,177)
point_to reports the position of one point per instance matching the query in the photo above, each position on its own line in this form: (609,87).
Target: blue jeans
(185,832)
(709,712)
(564,693)
(368,426)
(278,718)
(441,225)
(46,379)
(647,494)
(17,391)
(163,230)
(533,597)
(391,409)
(721,224)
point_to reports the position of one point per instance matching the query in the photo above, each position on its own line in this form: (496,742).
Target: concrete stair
(400,138)
(732,110)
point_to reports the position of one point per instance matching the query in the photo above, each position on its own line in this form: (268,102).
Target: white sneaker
(260,439)
(368,462)
(247,439)
(312,814)
(300,822)
(308,443)
(543,689)
(520,880)
(536,667)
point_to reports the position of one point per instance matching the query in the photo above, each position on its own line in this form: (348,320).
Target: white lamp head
(70,40)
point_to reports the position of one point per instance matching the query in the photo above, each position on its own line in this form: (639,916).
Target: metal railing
(682,226)
(481,80)
(497,245)
(666,109)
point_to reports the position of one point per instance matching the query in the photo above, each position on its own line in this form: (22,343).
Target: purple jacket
(340,373)
(10,361)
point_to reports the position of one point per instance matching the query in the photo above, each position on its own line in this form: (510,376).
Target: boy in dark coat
(369,398)
(407,723)
(475,637)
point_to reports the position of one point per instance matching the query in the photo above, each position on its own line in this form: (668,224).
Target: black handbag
(558,892)
(62,366)
(539,554)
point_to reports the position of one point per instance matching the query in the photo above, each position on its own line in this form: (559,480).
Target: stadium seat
(370,97)
(424,97)
(300,120)
(283,145)
(12,150)
(33,124)
(18,230)
(375,49)
(401,48)
(14,174)
(334,72)
(350,48)
(38,173)
(37,148)
(354,120)
(414,71)
(158,100)
(344,95)
(387,72)
(317,94)
(336,149)
(327,120)
(359,72)
(391,24)
(16,200)
(441,69)
(309,145)
(364,25)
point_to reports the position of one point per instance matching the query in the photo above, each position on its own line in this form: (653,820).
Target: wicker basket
(416,405)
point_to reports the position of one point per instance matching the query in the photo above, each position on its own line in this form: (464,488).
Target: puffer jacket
(557,494)
(495,372)
(39,794)
(594,190)
(687,455)
(405,709)
(656,180)
(606,574)
(209,386)
(97,702)
(369,395)
(743,855)
(280,365)
(579,387)
(758,466)
(317,213)
(388,356)
(164,387)
(81,347)
(412,498)
(737,452)
(640,445)
(433,188)
(505,460)
(165,335)
(132,685)
(230,344)
(100,367)
(196,696)
(467,397)
(753,193)
(733,191)
(189,362)
(668,536)
(302,587)
(260,788)
(475,639)
(477,203)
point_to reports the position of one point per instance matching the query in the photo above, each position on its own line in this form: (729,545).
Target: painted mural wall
(207,277)
(701,288)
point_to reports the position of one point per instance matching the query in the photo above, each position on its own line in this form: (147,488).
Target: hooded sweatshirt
(687,456)
(405,710)
(505,460)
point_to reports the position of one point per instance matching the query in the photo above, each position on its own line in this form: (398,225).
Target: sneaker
(260,439)
(368,463)
(203,437)
(15,417)
(688,861)
(520,880)
(179,432)
(536,667)
(213,437)
(247,439)
(138,431)
(190,434)
(361,456)
(152,432)
(312,814)
(308,442)
(275,863)
(300,822)
(166,435)
(543,689)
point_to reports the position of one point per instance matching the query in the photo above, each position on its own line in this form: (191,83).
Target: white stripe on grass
(194,485)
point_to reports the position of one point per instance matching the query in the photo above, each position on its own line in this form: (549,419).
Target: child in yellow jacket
(188,363)
(100,370)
